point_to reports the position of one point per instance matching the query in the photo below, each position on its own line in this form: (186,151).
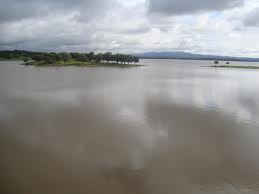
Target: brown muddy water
(169,127)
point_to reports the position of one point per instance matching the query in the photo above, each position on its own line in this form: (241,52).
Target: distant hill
(190,56)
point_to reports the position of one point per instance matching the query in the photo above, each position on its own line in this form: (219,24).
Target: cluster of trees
(16,54)
(57,57)
(217,62)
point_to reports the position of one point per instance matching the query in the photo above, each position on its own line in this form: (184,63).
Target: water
(169,127)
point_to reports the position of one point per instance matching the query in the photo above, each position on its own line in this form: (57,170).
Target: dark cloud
(51,24)
(252,19)
(12,10)
(175,7)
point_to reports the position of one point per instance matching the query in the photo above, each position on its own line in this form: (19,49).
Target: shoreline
(235,67)
(80,64)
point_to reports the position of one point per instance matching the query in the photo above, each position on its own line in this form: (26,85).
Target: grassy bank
(79,64)
(235,67)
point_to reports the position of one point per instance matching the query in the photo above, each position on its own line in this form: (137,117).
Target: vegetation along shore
(235,66)
(71,59)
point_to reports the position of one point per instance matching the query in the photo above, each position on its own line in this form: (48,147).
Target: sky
(220,27)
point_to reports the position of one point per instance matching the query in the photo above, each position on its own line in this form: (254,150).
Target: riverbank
(79,64)
(235,67)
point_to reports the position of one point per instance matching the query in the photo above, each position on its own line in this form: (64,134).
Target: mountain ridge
(191,56)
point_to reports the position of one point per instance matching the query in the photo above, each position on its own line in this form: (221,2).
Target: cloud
(176,7)
(252,19)
(87,25)
(130,26)
(13,10)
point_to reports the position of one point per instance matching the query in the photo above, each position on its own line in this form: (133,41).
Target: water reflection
(170,127)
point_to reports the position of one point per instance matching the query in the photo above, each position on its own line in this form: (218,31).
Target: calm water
(169,127)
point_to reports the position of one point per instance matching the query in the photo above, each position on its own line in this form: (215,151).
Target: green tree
(25,60)
(91,56)
(98,58)
(117,58)
(107,57)
(136,59)
(65,56)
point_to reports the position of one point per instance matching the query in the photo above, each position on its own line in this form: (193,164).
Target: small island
(233,66)
(91,59)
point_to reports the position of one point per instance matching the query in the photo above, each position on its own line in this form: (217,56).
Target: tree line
(52,57)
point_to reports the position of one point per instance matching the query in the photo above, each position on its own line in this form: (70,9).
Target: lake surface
(169,127)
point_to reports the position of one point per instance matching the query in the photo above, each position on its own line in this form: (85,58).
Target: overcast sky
(222,27)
